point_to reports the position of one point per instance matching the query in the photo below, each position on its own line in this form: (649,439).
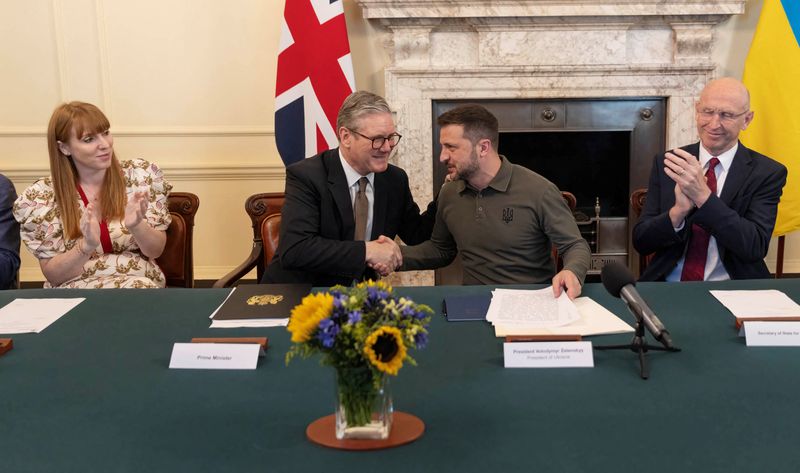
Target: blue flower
(327,332)
(354,317)
(421,340)
(375,296)
(339,307)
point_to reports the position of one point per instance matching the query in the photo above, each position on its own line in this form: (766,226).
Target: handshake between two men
(383,255)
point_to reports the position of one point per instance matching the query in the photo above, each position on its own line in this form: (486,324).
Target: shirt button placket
(479,210)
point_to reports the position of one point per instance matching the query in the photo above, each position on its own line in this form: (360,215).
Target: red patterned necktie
(694,266)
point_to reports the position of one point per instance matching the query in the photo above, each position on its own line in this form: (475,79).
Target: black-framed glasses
(727,117)
(378,141)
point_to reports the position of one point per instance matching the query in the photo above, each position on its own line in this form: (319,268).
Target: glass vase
(363,407)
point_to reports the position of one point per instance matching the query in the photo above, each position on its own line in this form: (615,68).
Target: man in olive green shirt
(502,218)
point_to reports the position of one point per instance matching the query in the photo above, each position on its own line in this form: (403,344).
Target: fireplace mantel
(503,49)
(391,10)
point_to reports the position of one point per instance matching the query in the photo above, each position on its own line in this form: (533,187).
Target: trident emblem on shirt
(508,214)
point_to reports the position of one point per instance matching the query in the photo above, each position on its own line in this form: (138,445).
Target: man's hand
(383,255)
(685,169)
(566,279)
(679,211)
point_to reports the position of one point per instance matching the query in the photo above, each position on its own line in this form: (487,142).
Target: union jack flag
(315,75)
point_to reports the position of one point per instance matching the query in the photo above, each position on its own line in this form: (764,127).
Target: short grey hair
(358,104)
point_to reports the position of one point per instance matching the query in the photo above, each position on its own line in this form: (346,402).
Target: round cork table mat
(405,429)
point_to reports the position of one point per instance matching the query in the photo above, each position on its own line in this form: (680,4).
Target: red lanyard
(105,236)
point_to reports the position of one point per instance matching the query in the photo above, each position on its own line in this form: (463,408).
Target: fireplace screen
(592,165)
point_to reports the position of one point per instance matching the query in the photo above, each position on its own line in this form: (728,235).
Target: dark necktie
(694,266)
(361,209)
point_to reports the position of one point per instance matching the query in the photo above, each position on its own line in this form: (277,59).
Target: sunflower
(307,316)
(385,349)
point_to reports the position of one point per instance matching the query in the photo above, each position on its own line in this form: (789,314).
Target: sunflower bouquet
(364,332)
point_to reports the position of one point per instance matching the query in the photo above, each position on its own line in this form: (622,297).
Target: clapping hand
(685,169)
(691,188)
(90,226)
(682,202)
(135,210)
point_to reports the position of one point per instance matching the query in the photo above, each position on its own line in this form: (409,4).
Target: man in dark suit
(344,205)
(9,236)
(711,224)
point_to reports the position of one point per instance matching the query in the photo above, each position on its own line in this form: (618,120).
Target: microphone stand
(639,345)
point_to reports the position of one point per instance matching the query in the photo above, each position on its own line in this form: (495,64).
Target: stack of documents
(538,312)
(33,315)
(534,309)
(769,304)
(259,305)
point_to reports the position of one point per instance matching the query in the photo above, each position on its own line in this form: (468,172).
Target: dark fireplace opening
(589,164)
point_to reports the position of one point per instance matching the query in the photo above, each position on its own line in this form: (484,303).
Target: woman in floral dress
(95,222)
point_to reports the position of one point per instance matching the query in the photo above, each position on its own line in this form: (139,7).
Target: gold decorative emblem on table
(264,299)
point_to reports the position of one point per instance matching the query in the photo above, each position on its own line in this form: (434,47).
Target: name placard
(772,334)
(214,356)
(548,355)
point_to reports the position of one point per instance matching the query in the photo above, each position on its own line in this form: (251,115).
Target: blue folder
(465,308)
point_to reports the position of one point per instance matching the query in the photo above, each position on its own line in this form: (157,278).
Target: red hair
(83,118)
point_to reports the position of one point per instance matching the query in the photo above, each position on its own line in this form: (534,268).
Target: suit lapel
(337,186)
(740,169)
(668,197)
(693,149)
(379,206)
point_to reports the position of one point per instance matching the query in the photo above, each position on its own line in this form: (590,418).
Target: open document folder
(538,312)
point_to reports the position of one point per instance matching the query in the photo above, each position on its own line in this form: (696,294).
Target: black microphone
(619,281)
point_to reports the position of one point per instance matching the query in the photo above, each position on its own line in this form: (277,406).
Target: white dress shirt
(352,184)
(715,270)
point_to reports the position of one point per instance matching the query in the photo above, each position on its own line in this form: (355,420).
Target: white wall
(189,84)
(186,84)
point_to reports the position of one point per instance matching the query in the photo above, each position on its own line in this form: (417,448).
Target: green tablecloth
(93,393)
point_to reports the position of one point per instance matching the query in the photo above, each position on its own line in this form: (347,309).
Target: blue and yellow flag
(772,74)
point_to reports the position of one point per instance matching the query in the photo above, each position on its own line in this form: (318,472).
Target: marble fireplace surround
(504,49)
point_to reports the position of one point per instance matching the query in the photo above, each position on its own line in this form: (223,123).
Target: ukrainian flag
(772,74)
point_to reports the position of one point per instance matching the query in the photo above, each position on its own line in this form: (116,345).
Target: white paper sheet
(594,320)
(758,303)
(532,308)
(234,323)
(34,315)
